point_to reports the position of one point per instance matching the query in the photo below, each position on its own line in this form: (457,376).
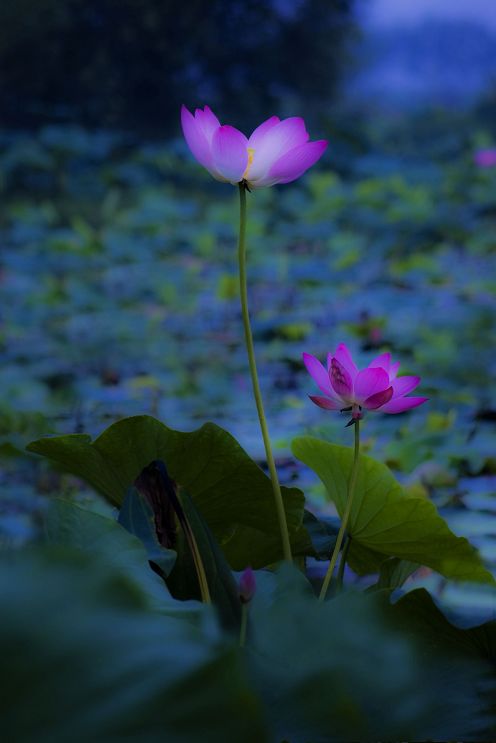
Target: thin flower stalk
(276,152)
(346,514)
(281,514)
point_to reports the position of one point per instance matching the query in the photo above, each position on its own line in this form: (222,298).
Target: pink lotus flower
(277,151)
(347,388)
(485,158)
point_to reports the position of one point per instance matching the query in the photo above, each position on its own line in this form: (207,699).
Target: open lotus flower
(277,151)
(347,388)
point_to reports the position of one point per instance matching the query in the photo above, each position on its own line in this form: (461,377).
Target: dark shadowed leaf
(221,582)
(345,670)
(418,611)
(136,517)
(84,660)
(394,572)
(69,525)
(323,533)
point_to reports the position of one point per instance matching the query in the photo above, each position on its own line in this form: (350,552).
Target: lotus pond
(121,309)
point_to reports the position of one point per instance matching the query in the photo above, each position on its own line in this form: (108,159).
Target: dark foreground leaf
(345,670)
(84,660)
(419,613)
(69,525)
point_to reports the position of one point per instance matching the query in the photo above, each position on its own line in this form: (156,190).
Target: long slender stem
(199,566)
(281,514)
(342,563)
(346,515)
(195,553)
(244,625)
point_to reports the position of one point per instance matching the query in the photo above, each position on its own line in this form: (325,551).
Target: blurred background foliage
(131,63)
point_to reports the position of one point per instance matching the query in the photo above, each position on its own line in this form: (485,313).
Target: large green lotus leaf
(384,521)
(84,659)
(228,487)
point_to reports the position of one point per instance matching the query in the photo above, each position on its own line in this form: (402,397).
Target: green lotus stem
(196,555)
(346,515)
(199,567)
(281,514)
(244,625)
(342,563)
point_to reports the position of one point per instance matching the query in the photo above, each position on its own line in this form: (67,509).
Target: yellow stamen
(251,154)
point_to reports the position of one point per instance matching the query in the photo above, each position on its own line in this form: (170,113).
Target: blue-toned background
(118,253)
